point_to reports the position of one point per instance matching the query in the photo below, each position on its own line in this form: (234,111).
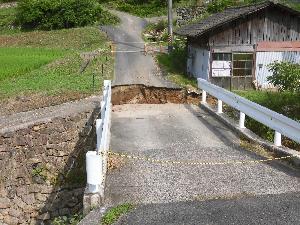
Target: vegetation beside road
(286,103)
(44,67)
(173,65)
(114,213)
(7,20)
(61,75)
(151,8)
(56,14)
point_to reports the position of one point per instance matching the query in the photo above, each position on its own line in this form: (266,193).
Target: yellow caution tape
(158,161)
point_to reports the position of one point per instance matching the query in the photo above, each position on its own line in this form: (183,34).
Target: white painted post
(220,106)
(99,127)
(103,110)
(242,120)
(94,171)
(277,139)
(203,96)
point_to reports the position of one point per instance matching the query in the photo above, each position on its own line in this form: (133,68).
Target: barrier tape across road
(198,163)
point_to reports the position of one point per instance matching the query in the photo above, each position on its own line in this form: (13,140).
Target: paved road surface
(269,209)
(183,132)
(133,68)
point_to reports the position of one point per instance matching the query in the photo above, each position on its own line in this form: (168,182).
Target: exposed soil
(142,94)
(26,103)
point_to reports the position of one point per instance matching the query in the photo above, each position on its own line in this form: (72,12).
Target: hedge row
(57,14)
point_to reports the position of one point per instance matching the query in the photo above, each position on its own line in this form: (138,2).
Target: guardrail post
(94,171)
(203,96)
(99,127)
(277,139)
(220,106)
(242,120)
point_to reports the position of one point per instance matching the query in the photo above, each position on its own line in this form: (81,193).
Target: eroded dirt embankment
(142,94)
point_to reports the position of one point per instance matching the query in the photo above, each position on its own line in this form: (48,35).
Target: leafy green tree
(286,76)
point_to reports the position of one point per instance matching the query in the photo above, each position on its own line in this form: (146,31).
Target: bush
(286,76)
(57,14)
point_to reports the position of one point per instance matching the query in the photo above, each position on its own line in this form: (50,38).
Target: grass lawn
(18,61)
(285,103)
(50,62)
(46,65)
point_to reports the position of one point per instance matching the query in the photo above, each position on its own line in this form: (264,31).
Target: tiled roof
(228,15)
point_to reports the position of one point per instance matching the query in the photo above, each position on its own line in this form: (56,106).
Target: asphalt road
(184,132)
(133,67)
(268,209)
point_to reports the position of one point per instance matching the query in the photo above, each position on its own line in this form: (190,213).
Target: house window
(221,56)
(242,64)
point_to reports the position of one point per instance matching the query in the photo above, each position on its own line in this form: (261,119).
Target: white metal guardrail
(96,161)
(281,124)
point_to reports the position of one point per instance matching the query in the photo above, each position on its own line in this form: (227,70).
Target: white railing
(96,161)
(281,124)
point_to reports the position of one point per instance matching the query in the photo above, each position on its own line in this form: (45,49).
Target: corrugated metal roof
(283,46)
(231,14)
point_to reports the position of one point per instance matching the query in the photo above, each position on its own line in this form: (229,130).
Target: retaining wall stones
(43,169)
(186,15)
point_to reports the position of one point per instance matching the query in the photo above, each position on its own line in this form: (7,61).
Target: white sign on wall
(221,68)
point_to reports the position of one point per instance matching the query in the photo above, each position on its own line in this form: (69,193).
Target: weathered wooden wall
(271,24)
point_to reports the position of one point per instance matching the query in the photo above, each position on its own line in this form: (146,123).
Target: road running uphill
(132,66)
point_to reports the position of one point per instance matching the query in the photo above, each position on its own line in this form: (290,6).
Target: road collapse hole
(142,94)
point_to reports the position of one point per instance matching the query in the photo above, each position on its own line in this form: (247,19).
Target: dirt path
(133,67)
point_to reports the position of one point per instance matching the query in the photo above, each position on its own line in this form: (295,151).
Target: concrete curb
(94,217)
(249,135)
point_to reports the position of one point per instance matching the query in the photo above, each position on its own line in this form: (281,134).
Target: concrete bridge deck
(185,133)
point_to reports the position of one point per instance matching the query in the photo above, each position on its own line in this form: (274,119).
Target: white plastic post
(277,139)
(94,171)
(203,96)
(220,106)
(242,120)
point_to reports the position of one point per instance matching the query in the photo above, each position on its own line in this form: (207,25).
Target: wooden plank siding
(270,24)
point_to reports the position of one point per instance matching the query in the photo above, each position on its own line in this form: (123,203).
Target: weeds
(114,214)
(285,103)
(67,220)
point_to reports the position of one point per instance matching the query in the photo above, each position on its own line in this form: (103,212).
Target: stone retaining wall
(186,15)
(43,169)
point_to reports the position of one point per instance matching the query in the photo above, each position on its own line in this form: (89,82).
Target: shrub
(57,14)
(286,76)
(176,60)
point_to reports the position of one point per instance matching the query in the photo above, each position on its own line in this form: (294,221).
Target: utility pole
(170,26)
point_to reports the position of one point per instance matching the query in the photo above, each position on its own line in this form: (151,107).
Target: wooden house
(233,48)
